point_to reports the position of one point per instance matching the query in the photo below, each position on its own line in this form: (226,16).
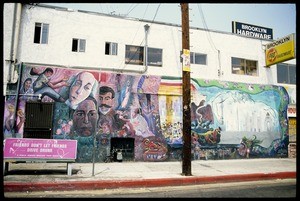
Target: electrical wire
(206,27)
(132,9)
(137,31)
(209,37)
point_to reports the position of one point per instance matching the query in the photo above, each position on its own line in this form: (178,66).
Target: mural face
(85,118)
(228,120)
(81,88)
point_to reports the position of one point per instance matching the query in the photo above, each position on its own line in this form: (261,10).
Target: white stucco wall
(97,29)
(11,29)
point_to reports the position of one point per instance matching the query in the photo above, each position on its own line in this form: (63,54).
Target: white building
(62,26)
(54,36)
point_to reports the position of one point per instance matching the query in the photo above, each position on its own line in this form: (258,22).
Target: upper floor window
(135,55)
(111,48)
(78,45)
(196,58)
(41,32)
(243,66)
(286,73)
(154,57)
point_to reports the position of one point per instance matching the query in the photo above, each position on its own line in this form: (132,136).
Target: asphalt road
(281,188)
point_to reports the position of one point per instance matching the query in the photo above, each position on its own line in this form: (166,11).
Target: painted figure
(80,87)
(147,110)
(85,118)
(26,91)
(44,87)
(84,126)
(138,123)
(125,95)
(106,110)
(9,121)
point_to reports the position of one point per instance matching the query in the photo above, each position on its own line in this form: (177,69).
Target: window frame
(241,66)
(131,51)
(288,74)
(111,48)
(154,53)
(140,52)
(193,58)
(79,46)
(41,33)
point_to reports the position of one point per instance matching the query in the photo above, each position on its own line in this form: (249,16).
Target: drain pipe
(146,45)
(14,42)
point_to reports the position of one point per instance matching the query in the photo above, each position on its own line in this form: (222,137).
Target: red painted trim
(10,186)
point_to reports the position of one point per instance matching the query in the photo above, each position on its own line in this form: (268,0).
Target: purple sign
(40,148)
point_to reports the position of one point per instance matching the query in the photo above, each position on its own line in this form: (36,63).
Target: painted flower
(58,131)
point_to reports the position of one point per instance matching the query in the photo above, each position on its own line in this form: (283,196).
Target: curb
(110,184)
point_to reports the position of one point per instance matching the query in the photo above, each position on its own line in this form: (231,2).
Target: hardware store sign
(280,50)
(252,30)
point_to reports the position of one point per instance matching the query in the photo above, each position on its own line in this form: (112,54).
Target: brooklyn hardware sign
(252,30)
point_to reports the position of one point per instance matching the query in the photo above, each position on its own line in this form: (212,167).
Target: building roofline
(143,20)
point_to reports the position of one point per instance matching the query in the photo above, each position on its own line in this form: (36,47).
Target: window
(78,45)
(243,66)
(111,48)
(286,73)
(154,57)
(134,55)
(41,32)
(196,58)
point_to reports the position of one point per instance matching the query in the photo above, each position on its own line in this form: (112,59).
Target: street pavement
(23,177)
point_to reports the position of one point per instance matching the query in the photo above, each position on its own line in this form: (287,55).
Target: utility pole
(186,91)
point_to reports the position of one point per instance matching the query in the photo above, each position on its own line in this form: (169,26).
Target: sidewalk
(53,176)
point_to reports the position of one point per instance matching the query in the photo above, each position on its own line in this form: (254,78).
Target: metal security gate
(38,123)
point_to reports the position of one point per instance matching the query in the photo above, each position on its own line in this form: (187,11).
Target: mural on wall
(228,120)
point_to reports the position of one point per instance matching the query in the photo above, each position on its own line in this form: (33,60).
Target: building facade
(119,81)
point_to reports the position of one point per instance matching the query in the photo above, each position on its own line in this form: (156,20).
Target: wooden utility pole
(186,91)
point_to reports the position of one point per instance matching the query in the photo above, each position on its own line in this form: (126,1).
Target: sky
(280,17)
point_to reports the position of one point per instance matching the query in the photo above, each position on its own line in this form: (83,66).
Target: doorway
(125,145)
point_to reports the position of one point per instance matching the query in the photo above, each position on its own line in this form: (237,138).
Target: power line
(131,10)
(209,37)
(206,27)
(138,29)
